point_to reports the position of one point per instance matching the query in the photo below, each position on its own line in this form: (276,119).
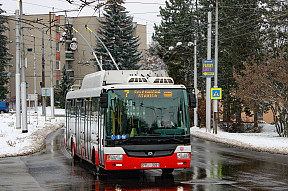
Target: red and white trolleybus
(129,119)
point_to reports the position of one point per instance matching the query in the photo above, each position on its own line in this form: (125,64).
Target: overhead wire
(202,24)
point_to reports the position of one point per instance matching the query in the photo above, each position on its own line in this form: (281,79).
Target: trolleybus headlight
(182,155)
(114,157)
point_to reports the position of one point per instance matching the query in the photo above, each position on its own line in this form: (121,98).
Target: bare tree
(267,83)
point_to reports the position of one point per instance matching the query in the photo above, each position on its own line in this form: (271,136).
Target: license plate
(146,165)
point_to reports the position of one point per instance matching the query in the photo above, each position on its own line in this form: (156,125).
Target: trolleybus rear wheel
(73,150)
(93,157)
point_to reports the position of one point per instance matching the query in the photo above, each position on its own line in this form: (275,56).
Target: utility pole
(17,75)
(34,68)
(43,78)
(23,82)
(215,101)
(208,80)
(195,83)
(51,72)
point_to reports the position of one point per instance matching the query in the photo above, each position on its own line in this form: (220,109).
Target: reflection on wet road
(214,167)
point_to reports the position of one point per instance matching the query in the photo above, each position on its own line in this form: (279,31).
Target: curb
(232,142)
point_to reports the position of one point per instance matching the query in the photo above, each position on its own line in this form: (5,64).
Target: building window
(57,47)
(58,65)
(57,83)
(57,28)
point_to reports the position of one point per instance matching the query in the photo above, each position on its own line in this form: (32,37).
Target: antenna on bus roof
(99,64)
(103,46)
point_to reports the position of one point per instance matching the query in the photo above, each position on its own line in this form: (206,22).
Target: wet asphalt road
(214,167)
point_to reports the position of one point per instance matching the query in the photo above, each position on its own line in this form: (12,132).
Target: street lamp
(195,74)
(35,93)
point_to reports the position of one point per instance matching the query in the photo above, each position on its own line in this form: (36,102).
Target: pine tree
(116,31)
(247,29)
(177,27)
(63,89)
(4,56)
(239,34)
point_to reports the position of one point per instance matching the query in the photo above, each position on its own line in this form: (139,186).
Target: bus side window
(95,115)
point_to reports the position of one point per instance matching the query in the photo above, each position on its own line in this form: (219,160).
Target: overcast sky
(144,11)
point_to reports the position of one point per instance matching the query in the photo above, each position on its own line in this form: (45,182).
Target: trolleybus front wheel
(167,170)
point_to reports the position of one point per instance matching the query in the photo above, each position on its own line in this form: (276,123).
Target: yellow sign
(216,93)
(208,73)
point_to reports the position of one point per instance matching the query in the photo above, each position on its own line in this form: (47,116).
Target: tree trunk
(238,116)
(226,112)
(255,116)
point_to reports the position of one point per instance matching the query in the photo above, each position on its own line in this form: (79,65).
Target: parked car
(4,106)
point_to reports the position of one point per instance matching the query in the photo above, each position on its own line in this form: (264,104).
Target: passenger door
(101,137)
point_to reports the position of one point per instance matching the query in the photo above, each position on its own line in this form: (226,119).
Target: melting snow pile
(13,142)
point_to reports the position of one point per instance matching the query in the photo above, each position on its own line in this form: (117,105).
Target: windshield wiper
(127,139)
(173,139)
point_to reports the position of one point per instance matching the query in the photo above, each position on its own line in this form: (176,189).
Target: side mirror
(192,97)
(192,100)
(104,100)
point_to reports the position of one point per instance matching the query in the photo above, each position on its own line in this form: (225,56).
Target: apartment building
(68,48)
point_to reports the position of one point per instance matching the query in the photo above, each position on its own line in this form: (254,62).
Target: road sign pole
(215,101)
(208,80)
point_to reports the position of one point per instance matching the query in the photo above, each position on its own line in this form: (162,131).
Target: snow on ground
(14,143)
(268,140)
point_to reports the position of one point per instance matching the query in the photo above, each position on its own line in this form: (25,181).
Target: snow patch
(15,143)
(266,141)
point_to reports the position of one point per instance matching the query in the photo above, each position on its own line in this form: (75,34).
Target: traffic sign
(216,93)
(46,91)
(208,68)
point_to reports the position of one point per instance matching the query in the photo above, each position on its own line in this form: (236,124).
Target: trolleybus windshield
(147,113)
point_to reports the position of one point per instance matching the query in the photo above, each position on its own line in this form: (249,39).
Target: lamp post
(195,83)
(34,77)
(215,101)
(195,74)
(23,68)
(17,75)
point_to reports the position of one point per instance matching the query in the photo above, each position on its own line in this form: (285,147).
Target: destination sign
(150,93)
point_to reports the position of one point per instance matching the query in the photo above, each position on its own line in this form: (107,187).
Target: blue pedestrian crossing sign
(216,93)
